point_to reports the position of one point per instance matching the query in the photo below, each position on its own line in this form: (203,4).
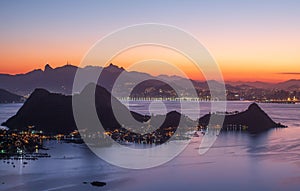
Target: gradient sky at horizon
(250,40)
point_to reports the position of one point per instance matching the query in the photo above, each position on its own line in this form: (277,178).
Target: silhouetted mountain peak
(254,119)
(68,66)
(254,107)
(174,112)
(39,92)
(33,72)
(48,68)
(114,68)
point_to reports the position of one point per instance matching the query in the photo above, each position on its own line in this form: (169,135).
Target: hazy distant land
(60,80)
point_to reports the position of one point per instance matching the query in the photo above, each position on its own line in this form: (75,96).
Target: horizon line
(203,80)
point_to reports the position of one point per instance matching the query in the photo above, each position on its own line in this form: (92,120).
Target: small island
(253,120)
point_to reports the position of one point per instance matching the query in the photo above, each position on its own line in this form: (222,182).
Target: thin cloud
(289,73)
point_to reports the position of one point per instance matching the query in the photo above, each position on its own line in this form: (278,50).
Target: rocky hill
(54,113)
(254,120)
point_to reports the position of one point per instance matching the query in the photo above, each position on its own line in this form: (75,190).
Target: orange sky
(250,41)
(257,59)
(245,64)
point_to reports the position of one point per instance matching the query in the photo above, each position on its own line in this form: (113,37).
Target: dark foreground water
(237,161)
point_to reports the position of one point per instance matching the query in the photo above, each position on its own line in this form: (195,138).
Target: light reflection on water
(237,161)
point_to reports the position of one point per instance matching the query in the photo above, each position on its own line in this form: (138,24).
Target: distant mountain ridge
(291,84)
(7,97)
(60,80)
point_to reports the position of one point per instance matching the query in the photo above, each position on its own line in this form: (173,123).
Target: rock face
(254,120)
(107,107)
(53,113)
(7,97)
(48,112)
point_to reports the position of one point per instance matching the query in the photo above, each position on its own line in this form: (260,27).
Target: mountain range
(289,85)
(60,80)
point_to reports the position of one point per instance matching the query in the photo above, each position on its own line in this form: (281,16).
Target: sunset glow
(258,41)
(157,60)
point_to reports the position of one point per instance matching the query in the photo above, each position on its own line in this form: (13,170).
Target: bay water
(236,161)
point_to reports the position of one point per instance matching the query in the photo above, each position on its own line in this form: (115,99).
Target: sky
(254,40)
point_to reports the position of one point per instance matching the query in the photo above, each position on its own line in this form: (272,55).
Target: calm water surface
(237,161)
